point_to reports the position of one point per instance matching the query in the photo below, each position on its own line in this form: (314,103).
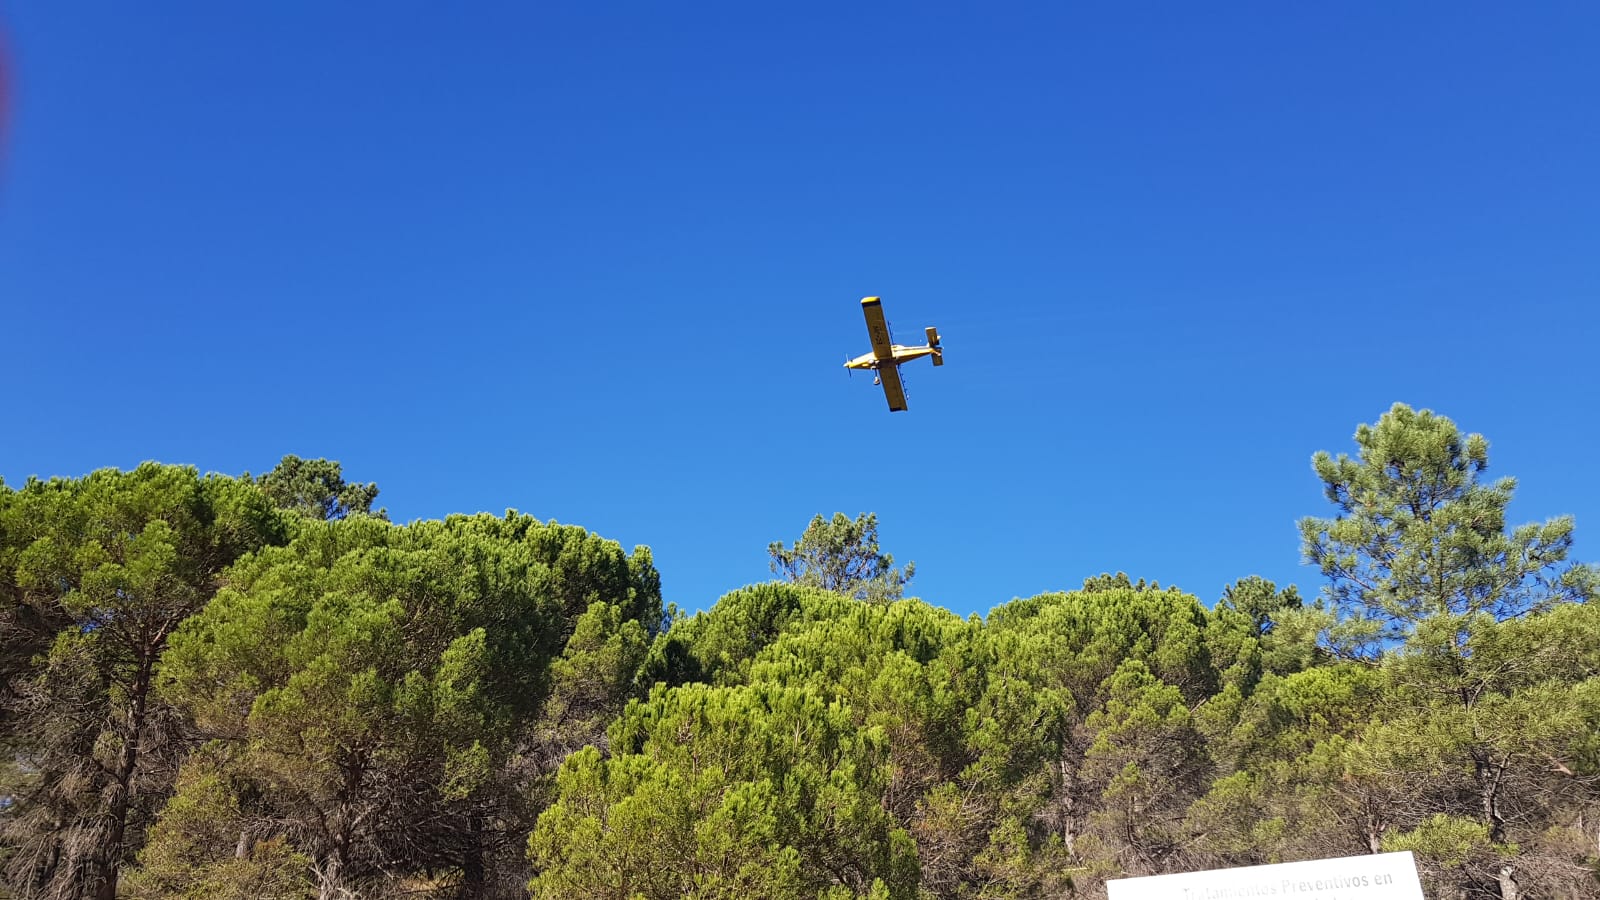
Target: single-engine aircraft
(886,356)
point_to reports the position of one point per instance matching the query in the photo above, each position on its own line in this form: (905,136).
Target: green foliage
(842,556)
(1118,582)
(1418,537)
(1465,617)
(1446,840)
(1245,641)
(725,792)
(1147,754)
(591,680)
(97,573)
(1450,849)
(316,488)
(1260,601)
(487,706)
(197,851)
(718,646)
(374,680)
(1091,633)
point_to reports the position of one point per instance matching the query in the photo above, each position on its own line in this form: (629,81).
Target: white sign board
(1379,876)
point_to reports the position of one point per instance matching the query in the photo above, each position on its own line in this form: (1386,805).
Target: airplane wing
(878,330)
(892,388)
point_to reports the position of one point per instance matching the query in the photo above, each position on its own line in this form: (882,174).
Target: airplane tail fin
(933,341)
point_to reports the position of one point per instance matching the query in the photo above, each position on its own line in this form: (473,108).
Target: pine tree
(842,556)
(1425,577)
(100,572)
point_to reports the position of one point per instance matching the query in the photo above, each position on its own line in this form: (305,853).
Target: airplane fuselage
(902,354)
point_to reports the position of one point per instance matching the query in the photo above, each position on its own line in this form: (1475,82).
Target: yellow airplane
(886,357)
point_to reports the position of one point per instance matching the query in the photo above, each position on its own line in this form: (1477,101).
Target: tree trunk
(1373,825)
(110,851)
(472,869)
(1069,825)
(1508,884)
(330,877)
(327,884)
(1488,776)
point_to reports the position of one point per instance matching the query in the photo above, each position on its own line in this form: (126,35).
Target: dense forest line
(232,687)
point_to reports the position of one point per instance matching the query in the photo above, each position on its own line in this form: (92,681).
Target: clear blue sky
(602,263)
